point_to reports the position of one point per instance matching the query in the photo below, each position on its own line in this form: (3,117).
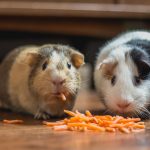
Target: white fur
(124,91)
(57,74)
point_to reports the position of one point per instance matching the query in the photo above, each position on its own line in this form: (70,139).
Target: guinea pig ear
(33,58)
(107,66)
(77,59)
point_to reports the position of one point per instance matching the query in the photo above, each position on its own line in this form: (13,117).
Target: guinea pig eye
(113,80)
(69,65)
(44,66)
(137,80)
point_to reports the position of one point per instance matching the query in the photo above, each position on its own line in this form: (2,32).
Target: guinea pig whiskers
(135,113)
(143,108)
(143,112)
(139,112)
(147,103)
(107,111)
(83,86)
(73,83)
(73,91)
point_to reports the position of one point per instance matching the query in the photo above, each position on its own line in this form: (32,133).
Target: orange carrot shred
(53,123)
(88,113)
(109,129)
(124,130)
(86,122)
(60,127)
(13,121)
(70,113)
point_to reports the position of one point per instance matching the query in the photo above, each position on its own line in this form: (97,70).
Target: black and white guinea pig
(122,74)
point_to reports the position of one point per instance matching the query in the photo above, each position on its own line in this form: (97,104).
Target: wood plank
(35,136)
(93,10)
(144,2)
(74,1)
(69,26)
(62,26)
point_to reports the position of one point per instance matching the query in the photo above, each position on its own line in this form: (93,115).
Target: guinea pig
(122,74)
(40,80)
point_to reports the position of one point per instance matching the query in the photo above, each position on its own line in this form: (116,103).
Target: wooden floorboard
(33,135)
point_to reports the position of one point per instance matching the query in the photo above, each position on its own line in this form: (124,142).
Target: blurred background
(83,24)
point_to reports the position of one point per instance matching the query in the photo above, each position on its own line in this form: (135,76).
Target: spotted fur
(129,94)
(28,85)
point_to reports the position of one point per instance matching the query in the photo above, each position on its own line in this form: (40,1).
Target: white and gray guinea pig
(40,80)
(122,74)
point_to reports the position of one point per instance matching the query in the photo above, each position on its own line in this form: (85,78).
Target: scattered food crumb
(13,121)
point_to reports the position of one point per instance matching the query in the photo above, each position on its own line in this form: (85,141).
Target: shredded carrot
(53,123)
(13,121)
(70,113)
(63,97)
(125,130)
(109,129)
(88,113)
(87,122)
(60,127)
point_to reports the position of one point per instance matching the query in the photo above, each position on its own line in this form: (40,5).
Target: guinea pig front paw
(41,115)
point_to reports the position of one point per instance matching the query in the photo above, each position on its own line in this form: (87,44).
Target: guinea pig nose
(58,81)
(63,81)
(123,105)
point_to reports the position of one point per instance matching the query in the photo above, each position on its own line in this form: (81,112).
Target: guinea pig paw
(42,115)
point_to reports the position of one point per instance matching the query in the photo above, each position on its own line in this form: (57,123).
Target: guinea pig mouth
(57,93)
(60,95)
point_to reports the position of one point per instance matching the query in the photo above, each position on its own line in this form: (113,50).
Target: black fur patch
(141,44)
(142,61)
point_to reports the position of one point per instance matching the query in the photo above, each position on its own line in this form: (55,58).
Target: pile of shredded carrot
(87,122)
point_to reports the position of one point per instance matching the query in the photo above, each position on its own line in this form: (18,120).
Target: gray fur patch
(5,69)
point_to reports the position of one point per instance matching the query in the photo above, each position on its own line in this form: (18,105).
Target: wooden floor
(33,135)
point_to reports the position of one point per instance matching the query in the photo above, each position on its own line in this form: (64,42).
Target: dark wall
(87,45)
